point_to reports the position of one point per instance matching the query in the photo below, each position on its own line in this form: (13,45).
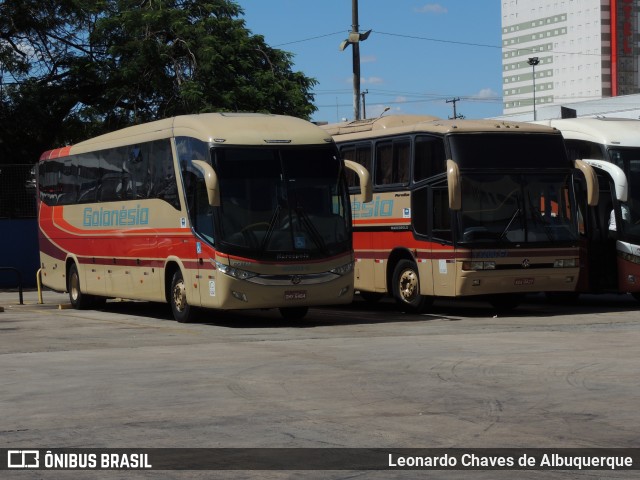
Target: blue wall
(19,249)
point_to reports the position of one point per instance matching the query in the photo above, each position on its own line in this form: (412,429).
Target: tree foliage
(72,69)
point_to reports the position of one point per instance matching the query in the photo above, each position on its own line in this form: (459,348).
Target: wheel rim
(179,296)
(75,286)
(408,285)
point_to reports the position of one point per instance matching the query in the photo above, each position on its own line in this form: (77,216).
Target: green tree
(169,57)
(76,68)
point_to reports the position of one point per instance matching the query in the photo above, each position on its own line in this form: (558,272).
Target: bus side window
(88,177)
(441,214)
(361,154)
(113,185)
(162,178)
(429,158)
(392,162)
(384,163)
(431,215)
(48,181)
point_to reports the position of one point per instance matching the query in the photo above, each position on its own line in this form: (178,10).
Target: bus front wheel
(406,288)
(182,311)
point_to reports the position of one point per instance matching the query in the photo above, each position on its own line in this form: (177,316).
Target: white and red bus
(224,211)
(462,208)
(610,253)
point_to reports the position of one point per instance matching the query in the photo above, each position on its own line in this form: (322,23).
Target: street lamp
(533,61)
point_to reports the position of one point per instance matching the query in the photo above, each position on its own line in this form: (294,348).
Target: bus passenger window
(114,179)
(392,162)
(429,158)
(441,214)
(384,164)
(360,154)
(162,175)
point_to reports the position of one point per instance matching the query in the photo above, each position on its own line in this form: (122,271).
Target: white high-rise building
(579,50)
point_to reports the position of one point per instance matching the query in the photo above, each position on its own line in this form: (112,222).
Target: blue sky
(419,54)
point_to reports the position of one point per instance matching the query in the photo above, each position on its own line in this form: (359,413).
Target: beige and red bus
(462,208)
(220,210)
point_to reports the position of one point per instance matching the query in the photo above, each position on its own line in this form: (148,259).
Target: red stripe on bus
(381,221)
(56,153)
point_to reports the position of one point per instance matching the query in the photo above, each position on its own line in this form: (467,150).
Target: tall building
(571,50)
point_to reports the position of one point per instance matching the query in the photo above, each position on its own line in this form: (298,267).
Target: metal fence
(17,191)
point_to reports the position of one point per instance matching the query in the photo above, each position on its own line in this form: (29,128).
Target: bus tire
(182,311)
(293,313)
(406,288)
(78,300)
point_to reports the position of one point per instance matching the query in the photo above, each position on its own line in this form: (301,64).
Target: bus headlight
(343,269)
(566,263)
(478,265)
(235,272)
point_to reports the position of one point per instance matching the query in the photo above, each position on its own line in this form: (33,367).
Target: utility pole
(364,105)
(355,37)
(455,115)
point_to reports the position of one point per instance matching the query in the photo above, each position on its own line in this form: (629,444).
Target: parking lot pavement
(128,376)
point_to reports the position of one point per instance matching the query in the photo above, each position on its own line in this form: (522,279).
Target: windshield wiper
(272,227)
(313,231)
(515,215)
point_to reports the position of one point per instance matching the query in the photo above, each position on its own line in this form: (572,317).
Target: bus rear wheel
(406,288)
(182,311)
(78,299)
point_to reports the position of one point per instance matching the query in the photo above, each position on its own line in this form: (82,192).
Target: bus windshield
(515,207)
(282,203)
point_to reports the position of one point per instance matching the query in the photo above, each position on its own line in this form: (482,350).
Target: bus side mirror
(593,189)
(366,185)
(453,183)
(210,180)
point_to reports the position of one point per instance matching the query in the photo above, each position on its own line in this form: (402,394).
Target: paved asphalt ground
(128,376)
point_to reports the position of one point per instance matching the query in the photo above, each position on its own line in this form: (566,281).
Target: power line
(341,32)
(531,49)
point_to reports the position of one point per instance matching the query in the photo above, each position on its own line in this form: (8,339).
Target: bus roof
(222,128)
(607,131)
(396,124)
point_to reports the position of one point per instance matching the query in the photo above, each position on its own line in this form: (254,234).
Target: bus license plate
(523,281)
(295,295)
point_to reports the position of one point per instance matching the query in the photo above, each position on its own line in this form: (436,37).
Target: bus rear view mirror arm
(210,180)
(593,190)
(366,185)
